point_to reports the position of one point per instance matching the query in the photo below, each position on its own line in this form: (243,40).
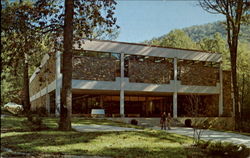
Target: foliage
(199,32)
(27,48)
(234,11)
(176,39)
(227,149)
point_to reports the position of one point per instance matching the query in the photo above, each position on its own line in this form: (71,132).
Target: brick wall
(94,68)
(197,74)
(150,72)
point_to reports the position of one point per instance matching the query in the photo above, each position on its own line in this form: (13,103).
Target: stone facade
(39,82)
(94,68)
(150,72)
(227,98)
(197,74)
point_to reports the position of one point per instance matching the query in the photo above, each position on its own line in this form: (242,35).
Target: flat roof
(146,50)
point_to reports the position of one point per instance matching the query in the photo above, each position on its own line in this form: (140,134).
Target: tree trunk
(26,91)
(66,99)
(233,52)
(1,101)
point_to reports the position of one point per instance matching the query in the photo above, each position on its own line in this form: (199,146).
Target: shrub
(188,123)
(134,122)
(228,149)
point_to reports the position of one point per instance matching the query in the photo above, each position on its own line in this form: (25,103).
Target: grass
(147,143)
(18,135)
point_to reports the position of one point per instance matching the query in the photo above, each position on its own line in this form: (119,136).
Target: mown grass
(53,122)
(146,143)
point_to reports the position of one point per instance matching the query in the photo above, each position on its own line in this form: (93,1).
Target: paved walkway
(206,135)
(212,135)
(101,128)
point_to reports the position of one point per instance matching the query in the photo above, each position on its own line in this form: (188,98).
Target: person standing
(163,121)
(169,118)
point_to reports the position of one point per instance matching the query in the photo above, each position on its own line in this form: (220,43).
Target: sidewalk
(206,135)
(212,135)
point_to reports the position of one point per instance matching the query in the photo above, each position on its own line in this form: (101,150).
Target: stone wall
(150,72)
(227,98)
(94,68)
(39,82)
(198,74)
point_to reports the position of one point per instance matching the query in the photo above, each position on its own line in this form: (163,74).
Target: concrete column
(175,89)
(122,84)
(221,92)
(58,83)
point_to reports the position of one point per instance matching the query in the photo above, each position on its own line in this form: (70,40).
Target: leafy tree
(81,20)
(90,19)
(216,44)
(176,39)
(17,20)
(233,11)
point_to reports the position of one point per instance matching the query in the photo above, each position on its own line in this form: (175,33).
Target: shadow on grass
(31,141)
(136,152)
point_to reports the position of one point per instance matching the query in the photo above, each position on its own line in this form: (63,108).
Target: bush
(134,122)
(188,123)
(228,149)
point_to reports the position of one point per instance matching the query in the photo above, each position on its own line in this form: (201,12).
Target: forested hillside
(198,32)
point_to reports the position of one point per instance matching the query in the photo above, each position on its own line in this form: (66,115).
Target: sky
(142,20)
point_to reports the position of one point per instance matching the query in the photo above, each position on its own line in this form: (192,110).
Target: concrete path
(212,135)
(206,135)
(101,128)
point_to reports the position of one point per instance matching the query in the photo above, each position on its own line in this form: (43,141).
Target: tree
(234,12)
(66,104)
(17,20)
(81,19)
(80,15)
(175,39)
(216,44)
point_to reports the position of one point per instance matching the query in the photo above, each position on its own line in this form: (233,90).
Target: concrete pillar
(122,84)
(58,83)
(175,89)
(221,92)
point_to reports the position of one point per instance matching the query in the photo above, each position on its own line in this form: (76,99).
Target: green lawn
(147,143)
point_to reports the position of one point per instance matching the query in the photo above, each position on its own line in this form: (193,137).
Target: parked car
(13,107)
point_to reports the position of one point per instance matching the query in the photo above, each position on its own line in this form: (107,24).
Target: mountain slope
(198,32)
